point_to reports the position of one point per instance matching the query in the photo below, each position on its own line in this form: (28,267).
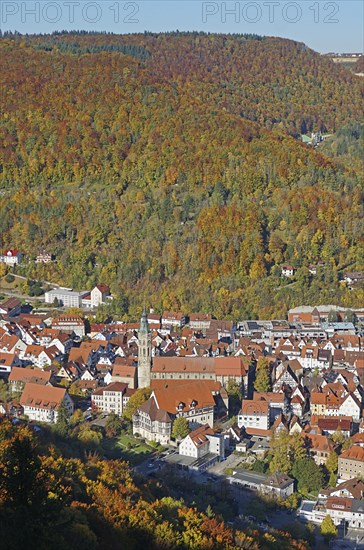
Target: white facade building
(41,403)
(110,398)
(10,257)
(65,297)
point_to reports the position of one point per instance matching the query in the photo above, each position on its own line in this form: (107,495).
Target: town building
(110,398)
(41,402)
(43,258)
(174,319)
(10,307)
(254,416)
(20,376)
(11,257)
(318,314)
(351,463)
(345,512)
(99,295)
(278,484)
(220,369)
(7,362)
(65,297)
(200,321)
(288,271)
(125,373)
(70,323)
(352,488)
(319,446)
(201,442)
(197,402)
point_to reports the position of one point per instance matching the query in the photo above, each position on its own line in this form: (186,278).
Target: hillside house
(288,271)
(10,257)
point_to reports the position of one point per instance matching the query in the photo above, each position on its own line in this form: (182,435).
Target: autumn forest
(170,166)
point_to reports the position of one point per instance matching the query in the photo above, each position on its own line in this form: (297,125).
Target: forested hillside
(169,166)
(49,501)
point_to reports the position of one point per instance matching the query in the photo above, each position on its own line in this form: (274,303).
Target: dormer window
(180,406)
(193,404)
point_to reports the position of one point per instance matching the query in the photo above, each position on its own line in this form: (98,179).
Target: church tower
(144,352)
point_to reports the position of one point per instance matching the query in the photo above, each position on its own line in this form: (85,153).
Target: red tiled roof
(255,407)
(199,392)
(339,503)
(221,366)
(199,436)
(6,359)
(114,386)
(10,303)
(19,374)
(200,317)
(103,288)
(11,252)
(42,397)
(124,370)
(166,384)
(354,453)
(319,442)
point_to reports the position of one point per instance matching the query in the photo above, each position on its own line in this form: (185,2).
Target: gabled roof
(125,370)
(339,503)
(186,396)
(200,317)
(319,442)
(332,423)
(8,341)
(278,479)
(6,359)
(9,304)
(221,366)
(33,350)
(42,397)
(358,439)
(172,315)
(256,407)
(353,486)
(354,453)
(318,398)
(70,319)
(156,414)
(270,397)
(118,387)
(103,288)
(215,387)
(19,374)
(11,252)
(199,436)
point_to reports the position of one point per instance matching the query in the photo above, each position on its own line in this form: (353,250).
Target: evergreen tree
(63,419)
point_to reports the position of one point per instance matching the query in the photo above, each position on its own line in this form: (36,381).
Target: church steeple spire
(144,327)
(144,352)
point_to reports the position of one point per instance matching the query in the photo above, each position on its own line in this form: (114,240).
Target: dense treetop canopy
(171,165)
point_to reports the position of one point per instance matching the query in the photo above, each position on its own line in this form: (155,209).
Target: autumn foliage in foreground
(51,502)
